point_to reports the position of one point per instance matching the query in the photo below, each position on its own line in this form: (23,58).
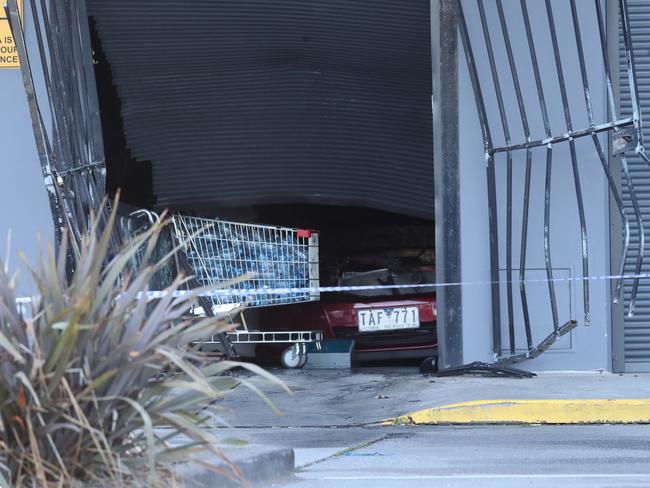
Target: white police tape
(246,292)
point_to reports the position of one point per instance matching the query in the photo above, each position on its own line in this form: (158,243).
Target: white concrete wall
(586,347)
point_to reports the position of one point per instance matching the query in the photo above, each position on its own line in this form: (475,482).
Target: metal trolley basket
(219,251)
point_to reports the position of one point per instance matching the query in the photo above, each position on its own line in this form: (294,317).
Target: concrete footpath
(369,396)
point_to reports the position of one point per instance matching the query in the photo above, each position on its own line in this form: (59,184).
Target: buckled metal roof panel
(240,102)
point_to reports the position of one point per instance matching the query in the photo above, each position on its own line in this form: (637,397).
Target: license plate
(374,319)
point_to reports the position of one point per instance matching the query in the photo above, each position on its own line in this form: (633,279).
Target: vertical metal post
(506,135)
(495,292)
(574,162)
(616,245)
(314,277)
(529,162)
(444,103)
(549,166)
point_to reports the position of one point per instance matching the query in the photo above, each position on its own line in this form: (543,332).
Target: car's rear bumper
(424,337)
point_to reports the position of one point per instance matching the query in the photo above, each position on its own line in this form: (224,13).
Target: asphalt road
(491,456)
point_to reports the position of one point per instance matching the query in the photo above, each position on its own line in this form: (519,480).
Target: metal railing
(625,132)
(57,71)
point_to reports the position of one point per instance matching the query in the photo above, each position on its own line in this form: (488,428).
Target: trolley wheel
(429,365)
(291,359)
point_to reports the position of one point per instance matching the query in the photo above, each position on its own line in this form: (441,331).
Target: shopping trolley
(219,253)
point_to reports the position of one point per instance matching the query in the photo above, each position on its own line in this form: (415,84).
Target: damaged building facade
(311,115)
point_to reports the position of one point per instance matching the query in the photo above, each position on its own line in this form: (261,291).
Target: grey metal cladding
(637,327)
(238,102)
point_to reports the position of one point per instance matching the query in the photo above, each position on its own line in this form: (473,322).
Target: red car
(382,327)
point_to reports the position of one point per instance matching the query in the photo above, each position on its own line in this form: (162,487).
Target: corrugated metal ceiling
(240,102)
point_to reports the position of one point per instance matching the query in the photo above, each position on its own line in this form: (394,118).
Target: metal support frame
(268,337)
(444,104)
(618,128)
(42,144)
(70,143)
(204,302)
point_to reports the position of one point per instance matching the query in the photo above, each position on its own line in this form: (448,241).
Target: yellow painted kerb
(603,411)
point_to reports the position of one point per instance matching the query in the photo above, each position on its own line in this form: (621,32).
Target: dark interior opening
(132,177)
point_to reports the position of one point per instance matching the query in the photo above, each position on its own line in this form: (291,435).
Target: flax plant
(82,397)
